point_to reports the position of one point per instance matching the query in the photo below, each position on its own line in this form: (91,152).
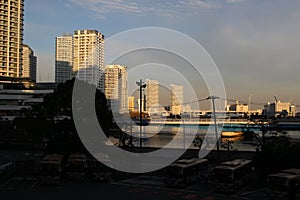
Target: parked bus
(100,168)
(296,182)
(286,182)
(280,181)
(76,166)
(184,172)
(231,175)
(50,170)
(7,170)
(291,171)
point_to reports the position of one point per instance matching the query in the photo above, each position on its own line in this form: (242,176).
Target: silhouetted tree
(227,144)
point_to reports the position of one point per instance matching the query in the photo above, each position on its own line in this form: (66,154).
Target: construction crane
(275,99)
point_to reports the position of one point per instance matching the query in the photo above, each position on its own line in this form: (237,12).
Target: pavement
(145,187)
(134,187)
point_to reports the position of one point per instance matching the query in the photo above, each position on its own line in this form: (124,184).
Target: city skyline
(256,53)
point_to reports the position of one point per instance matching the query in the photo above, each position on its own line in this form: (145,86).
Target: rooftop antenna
(290,99)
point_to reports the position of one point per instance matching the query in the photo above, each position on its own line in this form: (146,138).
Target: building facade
(116,87)
(29,63)
(18,95)
(237,107)
(131,104)
(279,109)
(176,99)
(152,96)
(88,57)
(11,37)
(63,58)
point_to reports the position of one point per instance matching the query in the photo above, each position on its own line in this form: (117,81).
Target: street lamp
(142,85)
(213,98)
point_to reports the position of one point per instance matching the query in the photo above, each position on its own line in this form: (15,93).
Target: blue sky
(254,43)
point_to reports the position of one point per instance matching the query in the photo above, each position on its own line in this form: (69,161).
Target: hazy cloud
(234,1)
(263,62)
(153,7)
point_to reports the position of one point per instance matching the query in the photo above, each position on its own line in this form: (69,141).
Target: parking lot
(122,186)
(131,188)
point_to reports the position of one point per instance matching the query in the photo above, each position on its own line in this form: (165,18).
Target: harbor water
(176,136)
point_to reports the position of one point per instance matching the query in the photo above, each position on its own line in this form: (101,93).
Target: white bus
(183,172)
(231,175)
(50,171)
(77,166)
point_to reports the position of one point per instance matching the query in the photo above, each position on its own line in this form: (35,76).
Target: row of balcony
(5,43)
(5,24)
(10,61)
(4,49)
(14,3)
(10,71)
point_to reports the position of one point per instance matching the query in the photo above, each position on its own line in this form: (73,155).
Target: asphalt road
(136,188)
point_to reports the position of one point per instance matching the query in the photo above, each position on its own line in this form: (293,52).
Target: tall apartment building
(63,58)
(176,99)
(29,63)
(11,37)
(131,104)
(116,87)
(152,95)
(88,57)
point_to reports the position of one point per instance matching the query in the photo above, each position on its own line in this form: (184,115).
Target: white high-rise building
(11,37)
(176,99)
(88,56)
(152,96)
(63,58)
(29,62)
(116,87)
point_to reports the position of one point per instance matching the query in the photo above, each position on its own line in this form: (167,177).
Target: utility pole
(141,86)
(215,120)
(249,104)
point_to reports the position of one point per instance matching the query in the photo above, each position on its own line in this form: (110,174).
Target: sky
(254,43)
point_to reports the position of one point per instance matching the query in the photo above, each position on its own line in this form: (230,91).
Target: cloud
(153,7)
(234,1)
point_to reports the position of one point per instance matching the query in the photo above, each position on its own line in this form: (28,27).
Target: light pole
(183,134)
(141,86)
(215,119)
(249,102)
